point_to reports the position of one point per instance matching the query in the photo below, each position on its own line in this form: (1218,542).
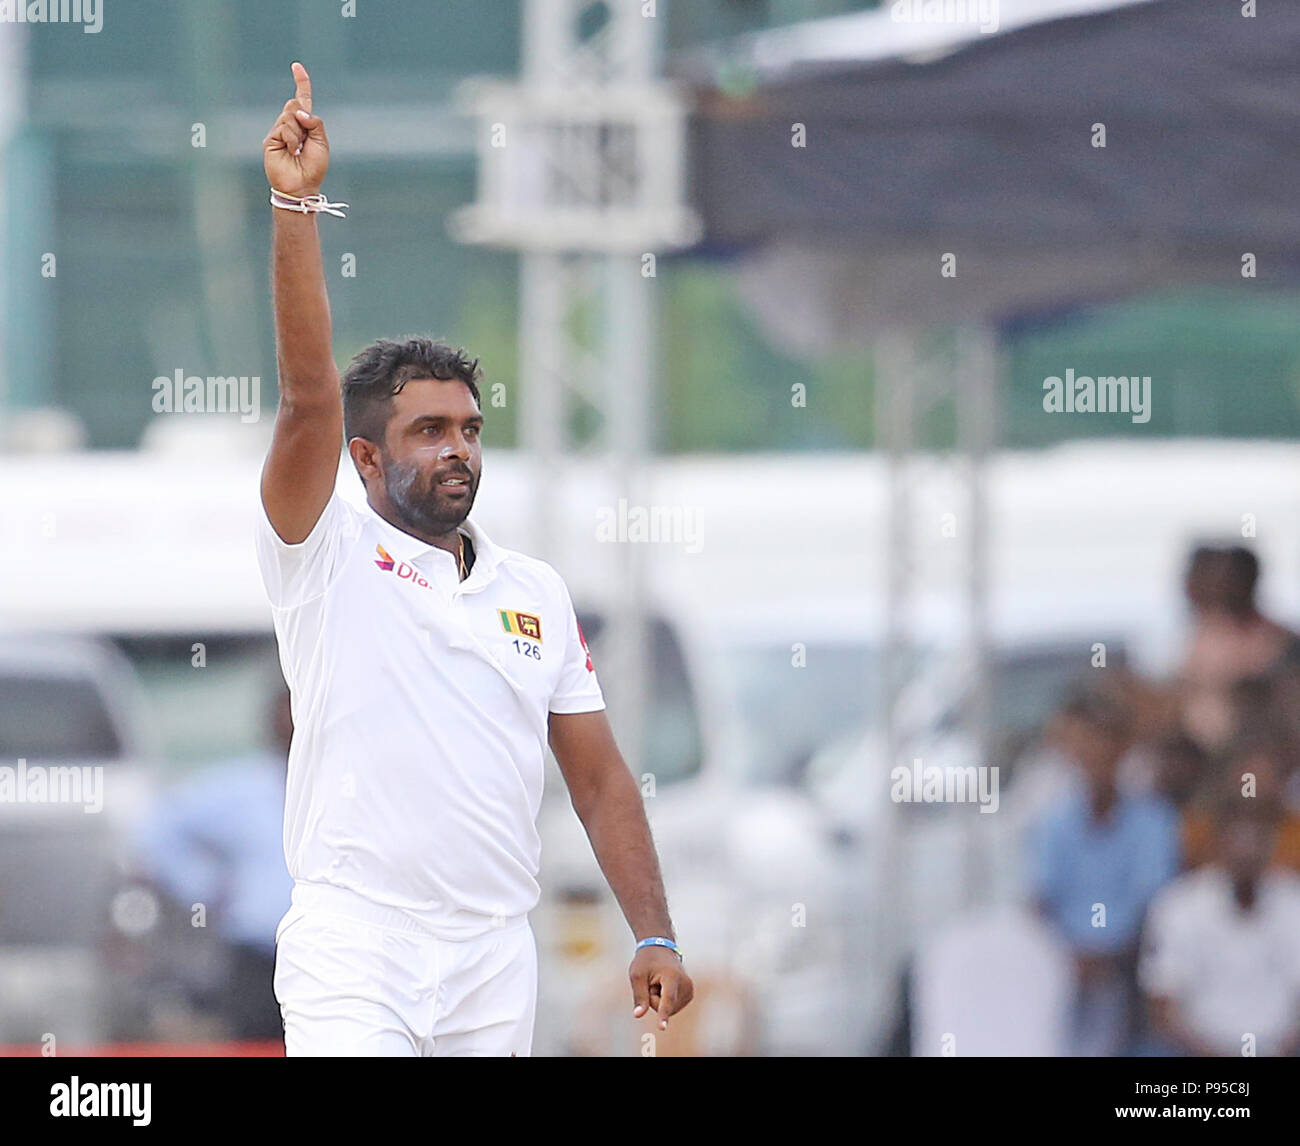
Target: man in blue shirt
(217,840)
(1098,858)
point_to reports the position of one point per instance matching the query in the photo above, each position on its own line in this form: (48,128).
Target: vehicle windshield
(54,718)
(1027,686)
(789,711)
(673,743)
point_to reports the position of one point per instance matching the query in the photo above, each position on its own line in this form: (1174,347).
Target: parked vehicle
(75,769)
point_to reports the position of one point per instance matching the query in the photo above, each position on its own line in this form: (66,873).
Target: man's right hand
(295,152)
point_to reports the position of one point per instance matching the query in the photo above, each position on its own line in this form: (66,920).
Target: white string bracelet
(307,205)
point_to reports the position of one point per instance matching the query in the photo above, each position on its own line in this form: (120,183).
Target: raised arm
(301,467)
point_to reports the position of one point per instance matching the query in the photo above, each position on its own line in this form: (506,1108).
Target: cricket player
(429,668)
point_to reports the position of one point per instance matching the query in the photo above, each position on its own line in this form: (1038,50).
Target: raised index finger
(303,80)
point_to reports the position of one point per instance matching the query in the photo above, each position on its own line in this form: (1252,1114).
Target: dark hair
(1266,737)
(1233,570)
(1178,743)
(1245,568)
(1100,711)
(1228,805)
(383,369)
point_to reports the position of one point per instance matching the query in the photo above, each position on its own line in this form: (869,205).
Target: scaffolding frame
(581,170)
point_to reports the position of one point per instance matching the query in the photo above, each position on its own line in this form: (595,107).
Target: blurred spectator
(1099,856)
(1262,762)
(1231,641)
(1046,770)
(1286,716)
(1026,986)
(1221,953)
(217,840)
(1182,769)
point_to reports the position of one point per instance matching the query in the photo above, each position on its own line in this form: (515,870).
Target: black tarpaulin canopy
(928,138)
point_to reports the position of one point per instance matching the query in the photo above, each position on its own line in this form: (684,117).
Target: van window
(216,714)
(54,718)
(673,747)
(789,713)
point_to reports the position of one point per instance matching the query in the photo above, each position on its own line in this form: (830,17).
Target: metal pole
(13,87)
(896,386)
(627,354)
(226,278)
(977,378)
(896,368)
(541,390)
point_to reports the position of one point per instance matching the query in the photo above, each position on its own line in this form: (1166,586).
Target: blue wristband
(659,941)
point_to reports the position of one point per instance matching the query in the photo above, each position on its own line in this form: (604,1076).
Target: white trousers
(368,982)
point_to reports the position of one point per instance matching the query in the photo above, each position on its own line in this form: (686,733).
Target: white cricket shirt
(420,709)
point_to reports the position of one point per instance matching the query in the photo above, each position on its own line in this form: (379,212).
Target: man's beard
(424,510)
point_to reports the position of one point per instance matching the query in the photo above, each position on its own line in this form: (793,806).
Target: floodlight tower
(581,169)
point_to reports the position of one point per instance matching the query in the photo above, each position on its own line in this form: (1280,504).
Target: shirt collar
(406,547)
(487,555)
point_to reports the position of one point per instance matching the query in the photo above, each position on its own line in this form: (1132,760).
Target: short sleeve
(577,689)
(295,574)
